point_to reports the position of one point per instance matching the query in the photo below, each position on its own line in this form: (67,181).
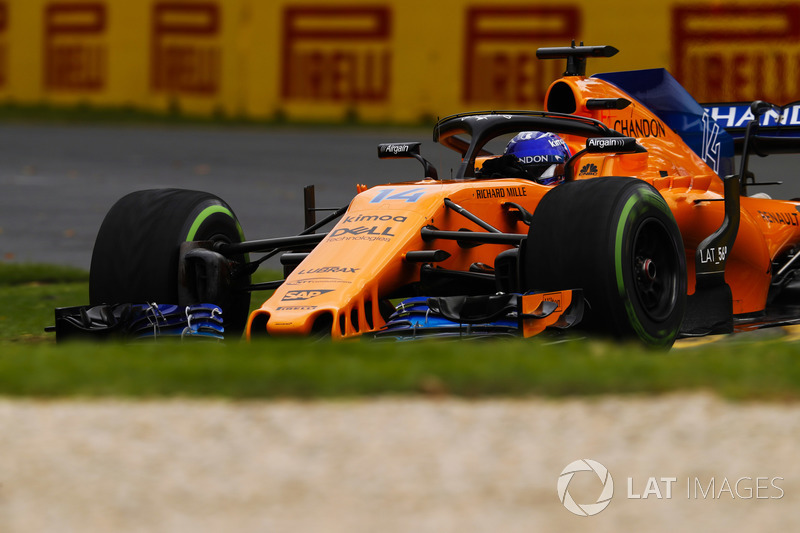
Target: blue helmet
(542,155)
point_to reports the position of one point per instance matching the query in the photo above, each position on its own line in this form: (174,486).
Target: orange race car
(617,211)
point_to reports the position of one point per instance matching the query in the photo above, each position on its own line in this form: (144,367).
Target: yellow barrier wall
(377,60)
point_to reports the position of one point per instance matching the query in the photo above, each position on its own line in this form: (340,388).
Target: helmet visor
(544,169)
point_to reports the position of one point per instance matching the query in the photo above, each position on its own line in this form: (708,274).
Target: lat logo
(585,509)
(296,296)
(589,169)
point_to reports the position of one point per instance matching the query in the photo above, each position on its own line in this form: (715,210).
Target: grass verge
(765,367)
(301,369)
(30,292)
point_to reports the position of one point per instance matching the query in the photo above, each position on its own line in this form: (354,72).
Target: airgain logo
(585,509)
(589,169)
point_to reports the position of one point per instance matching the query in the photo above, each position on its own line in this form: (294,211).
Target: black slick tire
(135,256)
(615,238)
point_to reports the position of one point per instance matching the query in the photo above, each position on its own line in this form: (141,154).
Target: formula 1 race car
(651,235)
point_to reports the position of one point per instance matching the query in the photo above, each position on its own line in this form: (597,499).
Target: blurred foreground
(395,465)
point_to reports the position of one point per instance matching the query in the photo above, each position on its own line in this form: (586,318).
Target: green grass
(30,292)
(21,273)
(301,369)
(763,366)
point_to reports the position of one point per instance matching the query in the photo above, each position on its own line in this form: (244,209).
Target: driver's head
(541,154)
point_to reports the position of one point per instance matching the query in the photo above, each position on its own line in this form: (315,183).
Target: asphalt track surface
(58,181)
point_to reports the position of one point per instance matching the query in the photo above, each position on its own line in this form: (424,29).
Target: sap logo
(589,169)
(296,296)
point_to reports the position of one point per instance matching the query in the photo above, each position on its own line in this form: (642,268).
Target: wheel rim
(655,270)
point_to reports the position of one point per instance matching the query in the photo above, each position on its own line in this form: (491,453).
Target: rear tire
(135,257)
(616,239)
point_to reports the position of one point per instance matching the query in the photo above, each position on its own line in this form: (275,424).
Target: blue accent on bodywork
(734,117)
(414,319)
(664,96)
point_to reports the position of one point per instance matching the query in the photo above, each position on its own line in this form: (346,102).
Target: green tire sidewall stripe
(203,216)
(646,196)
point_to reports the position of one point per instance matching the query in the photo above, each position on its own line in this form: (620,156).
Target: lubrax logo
(297,296)
(328,270)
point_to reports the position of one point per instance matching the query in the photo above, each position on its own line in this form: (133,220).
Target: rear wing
(778,130)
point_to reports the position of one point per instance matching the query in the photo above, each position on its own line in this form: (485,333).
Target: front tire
(135,257)
(616,239)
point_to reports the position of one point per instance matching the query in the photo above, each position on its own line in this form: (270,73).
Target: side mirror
(603,145)
(398,150)
(407,151)
(613,145)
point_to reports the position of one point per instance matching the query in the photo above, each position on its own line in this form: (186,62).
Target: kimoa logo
(585,509)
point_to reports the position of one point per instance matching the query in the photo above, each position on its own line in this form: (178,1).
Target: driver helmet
(543,155)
